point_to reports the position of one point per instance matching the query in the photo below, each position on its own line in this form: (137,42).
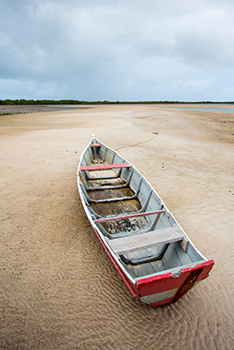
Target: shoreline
(16,109)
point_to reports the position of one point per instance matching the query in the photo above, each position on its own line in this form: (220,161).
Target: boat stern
(170,287)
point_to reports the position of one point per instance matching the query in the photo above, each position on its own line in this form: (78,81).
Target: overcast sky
(117,50)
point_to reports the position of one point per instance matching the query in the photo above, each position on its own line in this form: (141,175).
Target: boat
(155,258)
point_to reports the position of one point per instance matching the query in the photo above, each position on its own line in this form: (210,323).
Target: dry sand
(59,290)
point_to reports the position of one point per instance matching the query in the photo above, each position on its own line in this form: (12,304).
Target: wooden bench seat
(104,166)
(148,239)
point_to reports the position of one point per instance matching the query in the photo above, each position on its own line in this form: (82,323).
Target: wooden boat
(153,255)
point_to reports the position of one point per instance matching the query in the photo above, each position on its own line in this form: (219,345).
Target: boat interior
(131,216)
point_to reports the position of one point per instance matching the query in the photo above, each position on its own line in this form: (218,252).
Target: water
(219,109)
(15,109)
(63,107)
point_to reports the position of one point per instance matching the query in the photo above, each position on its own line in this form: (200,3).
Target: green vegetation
(78,102)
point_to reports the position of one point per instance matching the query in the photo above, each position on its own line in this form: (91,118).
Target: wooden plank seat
(148,239)
(95,145)
(104,166)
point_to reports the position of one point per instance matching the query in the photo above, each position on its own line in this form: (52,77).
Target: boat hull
(159,288)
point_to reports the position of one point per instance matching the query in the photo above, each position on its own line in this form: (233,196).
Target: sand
(58,289)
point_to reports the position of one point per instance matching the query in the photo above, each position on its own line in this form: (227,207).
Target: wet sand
(59,290)
(17,109)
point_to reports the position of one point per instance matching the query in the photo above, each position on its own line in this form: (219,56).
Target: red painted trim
(154,278)
(129,216)
(169,274)
(165,282)
(95,145)
(203,275)
(105,166)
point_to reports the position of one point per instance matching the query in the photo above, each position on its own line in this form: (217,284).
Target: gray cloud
(205,49)
(145,50)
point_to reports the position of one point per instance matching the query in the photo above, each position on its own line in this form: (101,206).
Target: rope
(139,143)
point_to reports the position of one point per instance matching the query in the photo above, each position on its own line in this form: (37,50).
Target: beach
(59,289)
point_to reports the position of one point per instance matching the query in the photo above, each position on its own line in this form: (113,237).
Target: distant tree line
(78,102)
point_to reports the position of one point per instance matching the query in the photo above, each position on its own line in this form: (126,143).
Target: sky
(125,50)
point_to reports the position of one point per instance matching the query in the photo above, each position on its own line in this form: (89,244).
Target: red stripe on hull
(166,282)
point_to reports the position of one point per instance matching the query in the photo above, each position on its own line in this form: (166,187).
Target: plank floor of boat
(100,173)
(174,257)
(125,225)
(92,181)
(147,268)
(121,207)
(111,193)
(116,208)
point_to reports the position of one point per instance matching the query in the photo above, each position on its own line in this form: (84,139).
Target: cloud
(124,50)
(205,49)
